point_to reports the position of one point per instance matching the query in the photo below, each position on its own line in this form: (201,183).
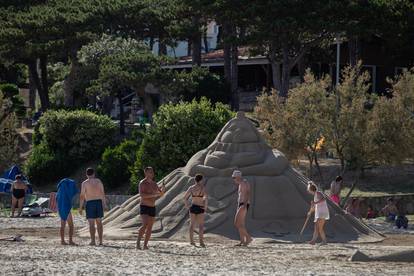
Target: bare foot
(239,244)
(145,247)
(92,243)
(323,243)
(193,243)
(72,243)
(248,241)
(312,242)
(202,244)
(138,246)
(100,244)
(63,243)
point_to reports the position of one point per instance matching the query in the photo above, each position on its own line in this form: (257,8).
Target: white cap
(236,173)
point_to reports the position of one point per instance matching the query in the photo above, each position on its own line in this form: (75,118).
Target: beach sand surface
(41,254)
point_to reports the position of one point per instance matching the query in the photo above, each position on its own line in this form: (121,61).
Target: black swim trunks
(196,209)
(247,205)
(94,209)
(147,210)
(19,193)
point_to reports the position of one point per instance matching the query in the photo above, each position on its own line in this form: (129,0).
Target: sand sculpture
(279,200)
(401,256)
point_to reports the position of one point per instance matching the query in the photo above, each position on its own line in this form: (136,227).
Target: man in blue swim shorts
(93,193)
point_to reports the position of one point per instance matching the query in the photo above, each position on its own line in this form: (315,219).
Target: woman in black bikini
(198,207)
(19,189)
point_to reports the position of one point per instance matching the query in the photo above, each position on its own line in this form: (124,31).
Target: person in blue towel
(66,190)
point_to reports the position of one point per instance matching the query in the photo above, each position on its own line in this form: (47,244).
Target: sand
(41,253)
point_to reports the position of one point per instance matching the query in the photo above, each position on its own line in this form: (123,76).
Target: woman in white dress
(320,207)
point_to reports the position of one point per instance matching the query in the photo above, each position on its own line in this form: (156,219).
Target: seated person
(402,220)
(390,210)
(371,213)
(353,208)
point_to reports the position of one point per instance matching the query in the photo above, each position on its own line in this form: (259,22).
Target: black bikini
(197,209)
(19,193)
(247,205)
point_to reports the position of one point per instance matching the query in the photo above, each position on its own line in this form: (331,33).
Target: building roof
(216,58)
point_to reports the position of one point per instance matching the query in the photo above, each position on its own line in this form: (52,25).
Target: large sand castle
(279,200)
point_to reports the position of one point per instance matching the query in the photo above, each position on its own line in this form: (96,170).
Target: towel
(66,190)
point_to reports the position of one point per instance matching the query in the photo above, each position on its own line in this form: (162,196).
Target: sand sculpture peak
(279,200)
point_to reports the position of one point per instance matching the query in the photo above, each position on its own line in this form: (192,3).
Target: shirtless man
(149,192)
(93,193)
(18,190)
(243,204)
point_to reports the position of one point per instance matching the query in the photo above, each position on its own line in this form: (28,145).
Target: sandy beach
(41,253)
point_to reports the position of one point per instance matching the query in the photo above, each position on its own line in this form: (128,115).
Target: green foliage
(11,92)
(67,139)
(363,129)
(116,163)
(8,134)
(198,83)
(80,134)
(178,132)
(298,124)
(45,165)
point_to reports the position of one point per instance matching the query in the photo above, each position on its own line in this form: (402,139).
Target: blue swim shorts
(94,209)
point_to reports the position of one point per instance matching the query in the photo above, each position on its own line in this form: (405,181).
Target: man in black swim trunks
(243,204)
(149,192)
(19,189)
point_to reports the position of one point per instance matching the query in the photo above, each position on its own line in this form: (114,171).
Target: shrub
(80,134)
(66,139)
(178,132)
(45,166)
(116,163)
(11,92)
(8,134)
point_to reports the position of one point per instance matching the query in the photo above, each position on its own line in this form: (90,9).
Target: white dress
(321,208)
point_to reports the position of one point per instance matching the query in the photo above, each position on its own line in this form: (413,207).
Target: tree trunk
(162,48)
(318,167)
(121,114)
(196,41)
(205,41)
(285,72)
(230,63)
(69,97)
(189,46)
(301,68)
(234,76)
(40,82)
(276,71)
(32,91)
(353,46)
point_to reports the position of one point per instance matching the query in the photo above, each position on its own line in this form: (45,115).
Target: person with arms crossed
(243,204)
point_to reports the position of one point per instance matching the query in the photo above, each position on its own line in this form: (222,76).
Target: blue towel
(66,190)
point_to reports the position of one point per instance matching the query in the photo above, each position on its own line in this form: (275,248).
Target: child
(370,212)
(66,190)
(320,207)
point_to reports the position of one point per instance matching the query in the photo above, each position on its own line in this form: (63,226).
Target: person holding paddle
(319,206)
